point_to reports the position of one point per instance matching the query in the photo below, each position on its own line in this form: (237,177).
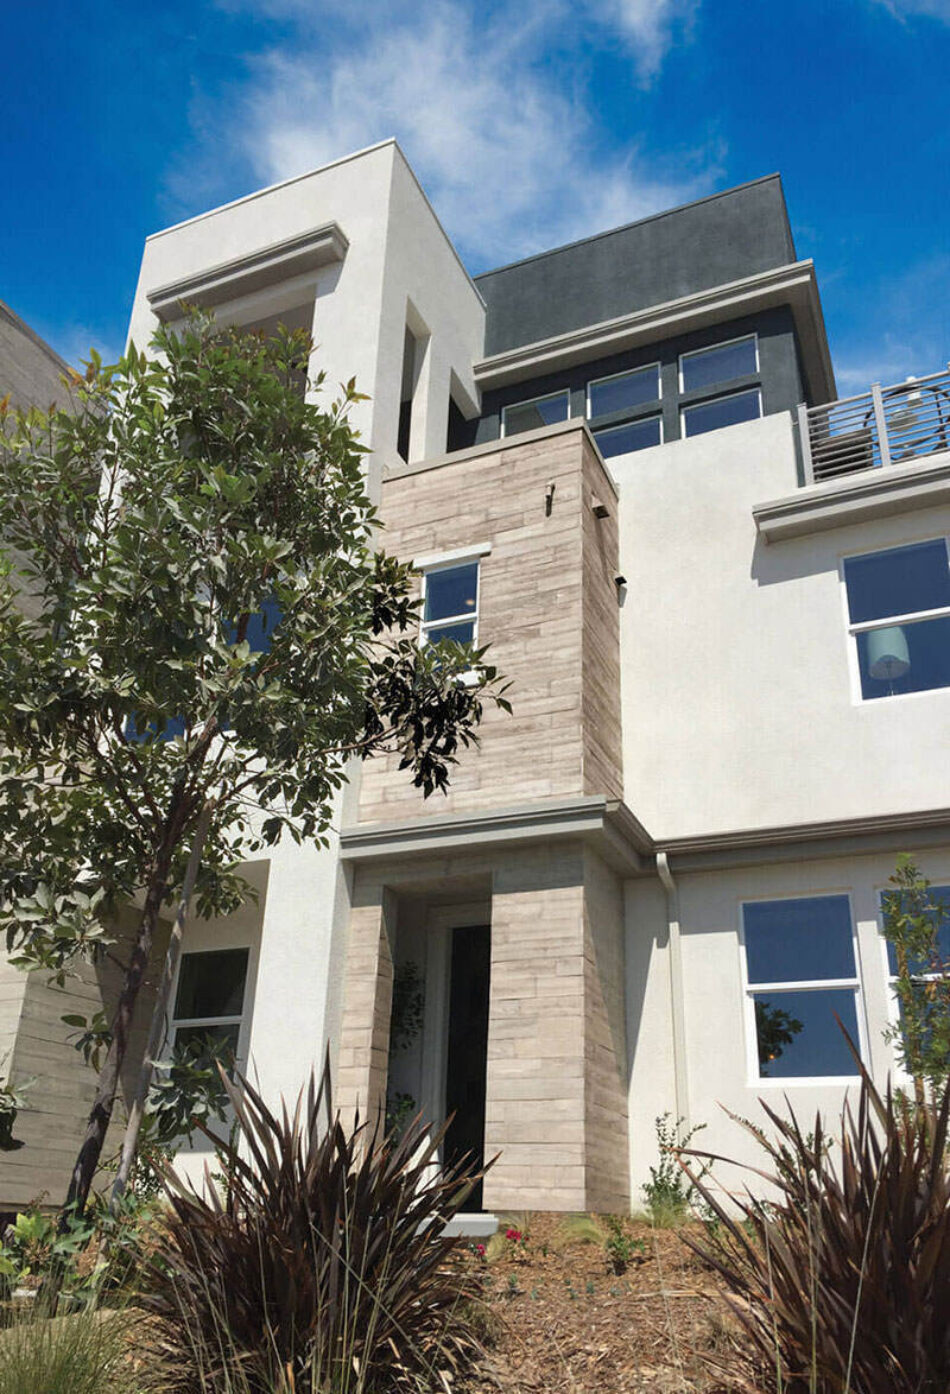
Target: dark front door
(468,1048)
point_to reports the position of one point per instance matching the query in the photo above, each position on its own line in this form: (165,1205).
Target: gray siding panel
(701,245)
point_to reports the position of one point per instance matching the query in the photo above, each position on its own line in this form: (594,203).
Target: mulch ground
(562,1320)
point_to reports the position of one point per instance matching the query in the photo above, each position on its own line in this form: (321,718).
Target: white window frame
(710,348)
(749,990)
(888,622)
(718,397)
(469,616)
(623,425)
(176,1022)
(528,401)
(628,373)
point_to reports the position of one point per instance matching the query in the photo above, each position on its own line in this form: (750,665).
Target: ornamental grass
(320,1263)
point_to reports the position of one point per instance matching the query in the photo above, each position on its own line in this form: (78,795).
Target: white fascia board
(856,498)
(794,285)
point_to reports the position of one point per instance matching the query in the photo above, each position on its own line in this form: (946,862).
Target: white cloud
(649,27)
(930,9)
(491,113)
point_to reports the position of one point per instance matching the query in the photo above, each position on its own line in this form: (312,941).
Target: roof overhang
(306,253)
(607,825)
(794,285)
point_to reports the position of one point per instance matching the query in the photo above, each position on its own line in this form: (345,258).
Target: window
(450,603)
(722,411)
(923,972)
(540,411)
(800,970)
(721,363)
(623,391)
(899,613)
(632,435)
(209,1003)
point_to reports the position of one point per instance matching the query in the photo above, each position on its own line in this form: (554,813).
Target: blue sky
(528,124)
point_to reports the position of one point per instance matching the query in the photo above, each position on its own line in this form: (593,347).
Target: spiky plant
(323,1266)
(843,1276)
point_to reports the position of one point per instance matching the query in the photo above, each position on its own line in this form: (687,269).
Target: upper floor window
(450,603)
(720,364)
(632,435)
(722,411)
(209,1003)
(623,391)
(539,411)
(800,972)
(899,613)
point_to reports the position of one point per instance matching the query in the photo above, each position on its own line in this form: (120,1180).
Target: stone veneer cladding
(556,1107)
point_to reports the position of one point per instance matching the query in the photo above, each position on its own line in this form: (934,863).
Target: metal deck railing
(886,426)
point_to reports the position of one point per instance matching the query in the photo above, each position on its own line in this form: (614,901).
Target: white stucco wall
(717,1023)
(738,706)
(399,267)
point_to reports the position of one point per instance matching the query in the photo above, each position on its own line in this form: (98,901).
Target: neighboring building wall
(52,1126)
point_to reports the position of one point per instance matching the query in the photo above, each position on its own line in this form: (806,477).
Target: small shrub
(86,1353)
(323,1266)
(669,1192)
(620,1247)
(844,1280)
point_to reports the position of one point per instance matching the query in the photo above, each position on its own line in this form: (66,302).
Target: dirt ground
(562,1320)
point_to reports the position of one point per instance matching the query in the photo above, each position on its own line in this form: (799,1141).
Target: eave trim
(216,285)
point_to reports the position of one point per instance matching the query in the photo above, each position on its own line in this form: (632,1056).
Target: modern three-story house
(722,598)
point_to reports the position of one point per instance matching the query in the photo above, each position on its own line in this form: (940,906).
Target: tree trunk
(101,1113)
(157,1030)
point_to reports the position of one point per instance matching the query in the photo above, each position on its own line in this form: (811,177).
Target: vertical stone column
(606,1154)
(363,1058)
(556,1090)
(536,1071)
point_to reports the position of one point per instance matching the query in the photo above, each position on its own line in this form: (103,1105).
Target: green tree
(219,636)
(912,922)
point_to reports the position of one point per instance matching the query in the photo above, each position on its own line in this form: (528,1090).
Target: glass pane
(897,582)
(724,411)
(630,390)
(205,1042)
(211,984)
(940,895)
(720,364)
(635,435)
(543,411)
(805,940)
(797,1034)
(260,627)
(904,657)
(452,591)
(461,633)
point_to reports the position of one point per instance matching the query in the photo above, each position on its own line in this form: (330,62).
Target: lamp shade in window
(888,654)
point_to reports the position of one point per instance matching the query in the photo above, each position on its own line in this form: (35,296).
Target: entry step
(480,1226)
